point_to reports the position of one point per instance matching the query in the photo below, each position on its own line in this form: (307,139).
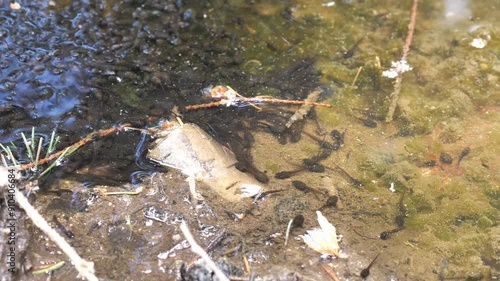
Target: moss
(400,175)
(456,104)
(272,167)
(493,139)
(329,116)
(453,130)
(484,222)
(310,149)
(337,72)
(444,233)
(420,203)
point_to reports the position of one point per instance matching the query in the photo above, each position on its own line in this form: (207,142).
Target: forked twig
(227,96)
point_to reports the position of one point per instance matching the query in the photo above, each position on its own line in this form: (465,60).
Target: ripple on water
(40,71)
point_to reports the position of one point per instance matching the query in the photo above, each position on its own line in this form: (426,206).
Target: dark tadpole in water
(431,163)
(63,229)
(399,220)
(365,272)
(300,185)
(331,202)
(369,123)
(445,158)
(385,235)
(337,136)
(338,139)
(298,221)
(464,153)
(271,46)
(349,53)
(315,168)
(354,181)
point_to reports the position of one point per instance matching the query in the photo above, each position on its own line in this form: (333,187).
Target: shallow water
(78,67)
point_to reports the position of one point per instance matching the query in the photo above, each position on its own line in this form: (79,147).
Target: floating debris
(323,240)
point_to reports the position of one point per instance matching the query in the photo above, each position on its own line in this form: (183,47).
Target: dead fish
(191,150)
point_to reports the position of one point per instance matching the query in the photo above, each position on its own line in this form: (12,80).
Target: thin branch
(200,252)
(402,61)
(85,268)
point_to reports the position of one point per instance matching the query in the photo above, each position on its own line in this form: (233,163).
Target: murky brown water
(78,67)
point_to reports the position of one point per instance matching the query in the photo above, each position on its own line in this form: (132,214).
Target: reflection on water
(44,58)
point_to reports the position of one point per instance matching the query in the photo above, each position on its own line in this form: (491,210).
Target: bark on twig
(404,56)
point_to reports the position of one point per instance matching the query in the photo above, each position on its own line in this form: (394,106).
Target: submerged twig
(227,96)
(72,148)
(398,68)
(85,268)
(200,252)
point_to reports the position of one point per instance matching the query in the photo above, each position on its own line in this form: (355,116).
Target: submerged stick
(85,268)
(91,137)
(406,50)
(227,96)
(197,249)
(306,107)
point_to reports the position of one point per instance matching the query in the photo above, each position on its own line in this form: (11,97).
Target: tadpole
(298,221)
(385,235)
(338,137)
(331,202)
(464,153)
(399,220)
(305,188)
(315,168)
(365,272)
(349,53)
(353,180)
(63,229)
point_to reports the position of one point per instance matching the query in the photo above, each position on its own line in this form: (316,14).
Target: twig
(306,107)
(356,77)
(227,96)
(211,245)
(85,268)
(406,50)
(330,272)
(87,139)
(200,252)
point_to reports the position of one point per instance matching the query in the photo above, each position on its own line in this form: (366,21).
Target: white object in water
(191,150)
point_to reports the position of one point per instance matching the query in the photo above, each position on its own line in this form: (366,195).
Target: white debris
(328,4)
(397,68)
(198,156)
(323,240)
(250,190)
(391,188)
(479,43)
